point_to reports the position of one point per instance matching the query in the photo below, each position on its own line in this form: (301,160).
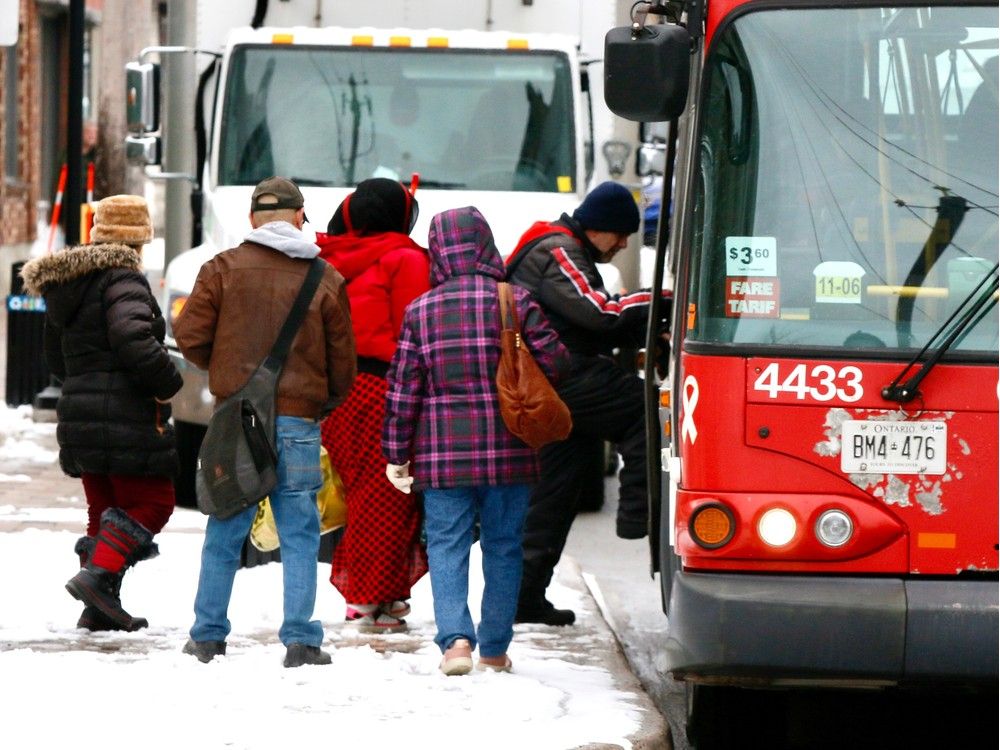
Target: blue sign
(25,303)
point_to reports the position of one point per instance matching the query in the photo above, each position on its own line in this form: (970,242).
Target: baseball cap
(287,193)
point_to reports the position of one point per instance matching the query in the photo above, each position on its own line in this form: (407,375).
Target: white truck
(499,120)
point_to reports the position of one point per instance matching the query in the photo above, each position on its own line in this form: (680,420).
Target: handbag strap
(276,359)
(508,308)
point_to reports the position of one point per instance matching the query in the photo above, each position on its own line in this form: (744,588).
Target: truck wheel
(610,460)
(592,489)
(189,437)
(710,719)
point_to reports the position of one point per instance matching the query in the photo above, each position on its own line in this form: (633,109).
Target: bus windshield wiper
(960,321)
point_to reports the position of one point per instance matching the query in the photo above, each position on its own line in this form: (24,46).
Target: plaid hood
(460,243)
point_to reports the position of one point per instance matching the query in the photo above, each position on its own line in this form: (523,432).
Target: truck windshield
(464,120)
(847,184)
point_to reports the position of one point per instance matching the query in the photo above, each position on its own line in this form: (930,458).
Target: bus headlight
(834,528)
(776,527)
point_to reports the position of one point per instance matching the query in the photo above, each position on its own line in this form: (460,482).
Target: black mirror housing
(646,77)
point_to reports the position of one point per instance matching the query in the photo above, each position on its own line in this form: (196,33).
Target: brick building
(33,83)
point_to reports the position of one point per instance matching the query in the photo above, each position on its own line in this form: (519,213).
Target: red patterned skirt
(380,555)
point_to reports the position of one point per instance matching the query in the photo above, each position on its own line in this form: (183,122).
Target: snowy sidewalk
(64,687)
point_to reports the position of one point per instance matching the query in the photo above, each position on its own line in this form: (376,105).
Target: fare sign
(893,447)
(750,297)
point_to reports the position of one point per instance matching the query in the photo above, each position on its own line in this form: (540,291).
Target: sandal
(373,621)
(399,608)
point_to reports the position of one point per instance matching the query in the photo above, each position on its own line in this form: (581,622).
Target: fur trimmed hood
(41,274)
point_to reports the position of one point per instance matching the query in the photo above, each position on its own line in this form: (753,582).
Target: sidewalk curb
(654,733)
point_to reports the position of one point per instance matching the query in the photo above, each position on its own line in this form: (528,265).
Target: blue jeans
(293,503)
(449,516)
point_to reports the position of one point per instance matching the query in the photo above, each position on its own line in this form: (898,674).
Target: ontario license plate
(890,447)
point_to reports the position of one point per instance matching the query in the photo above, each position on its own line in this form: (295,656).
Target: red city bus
(829,423)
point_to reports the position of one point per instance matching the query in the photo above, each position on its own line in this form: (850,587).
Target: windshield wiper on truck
(963,319)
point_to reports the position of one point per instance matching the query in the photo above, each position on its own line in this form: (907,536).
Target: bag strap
(508,308)
(276,359)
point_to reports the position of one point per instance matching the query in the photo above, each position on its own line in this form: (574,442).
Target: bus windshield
(847,185)
(483,120)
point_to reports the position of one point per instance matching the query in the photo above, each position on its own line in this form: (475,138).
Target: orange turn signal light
(712,525)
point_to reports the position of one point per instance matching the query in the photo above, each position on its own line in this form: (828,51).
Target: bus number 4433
(821,383)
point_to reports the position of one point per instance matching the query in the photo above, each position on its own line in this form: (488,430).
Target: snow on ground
(61,687)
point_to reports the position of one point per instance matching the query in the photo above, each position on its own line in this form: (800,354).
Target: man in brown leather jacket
(239,302)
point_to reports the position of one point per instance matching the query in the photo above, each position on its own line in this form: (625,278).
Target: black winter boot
(532,606)
(544,612)
(92,618)
(100,588)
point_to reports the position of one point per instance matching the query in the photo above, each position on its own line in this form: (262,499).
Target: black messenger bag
(237,462)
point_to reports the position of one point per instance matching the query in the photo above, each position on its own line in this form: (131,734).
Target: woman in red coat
(380,556)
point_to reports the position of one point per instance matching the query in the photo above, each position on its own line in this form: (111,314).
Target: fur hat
(609,207)
(124,219)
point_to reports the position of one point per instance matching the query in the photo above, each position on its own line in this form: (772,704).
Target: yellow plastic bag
(329,501)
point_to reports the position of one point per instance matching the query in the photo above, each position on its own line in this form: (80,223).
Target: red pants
(147,500)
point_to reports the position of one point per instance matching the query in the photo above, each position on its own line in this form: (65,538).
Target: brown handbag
(529,405)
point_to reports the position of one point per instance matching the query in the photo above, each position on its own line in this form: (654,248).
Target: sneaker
(398,609)
(205,651)
(457,659)
(374,621)
(299,654)
(494,663)
(544,613)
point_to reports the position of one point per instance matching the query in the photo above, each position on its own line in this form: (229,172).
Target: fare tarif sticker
(752,297)
(751,256)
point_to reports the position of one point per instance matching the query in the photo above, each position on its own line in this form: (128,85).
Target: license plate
(890,447)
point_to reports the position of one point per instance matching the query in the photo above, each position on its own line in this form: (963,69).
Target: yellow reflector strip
(282,38)
(564,183)
(711,525)
(936,541)
(363,40)
(437,41)
(666,429)
(399,41)
(892,290)
(665,399)
(517,44)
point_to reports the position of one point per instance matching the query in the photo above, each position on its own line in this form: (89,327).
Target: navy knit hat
(609,207)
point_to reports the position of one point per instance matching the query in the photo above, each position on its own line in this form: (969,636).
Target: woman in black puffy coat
(104,341)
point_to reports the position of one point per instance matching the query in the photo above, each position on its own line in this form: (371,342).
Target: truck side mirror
(652,159)
(646,71)
(142,97)
(142,150)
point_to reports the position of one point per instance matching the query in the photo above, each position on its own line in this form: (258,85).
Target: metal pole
(73,196)
(178,127)
(46,398)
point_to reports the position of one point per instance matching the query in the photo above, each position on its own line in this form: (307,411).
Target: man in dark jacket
(104,340)
(239,302)
(557,262)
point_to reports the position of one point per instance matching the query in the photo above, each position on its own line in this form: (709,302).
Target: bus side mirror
(646,75)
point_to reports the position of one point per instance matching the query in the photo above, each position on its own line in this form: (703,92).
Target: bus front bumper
(754,629)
